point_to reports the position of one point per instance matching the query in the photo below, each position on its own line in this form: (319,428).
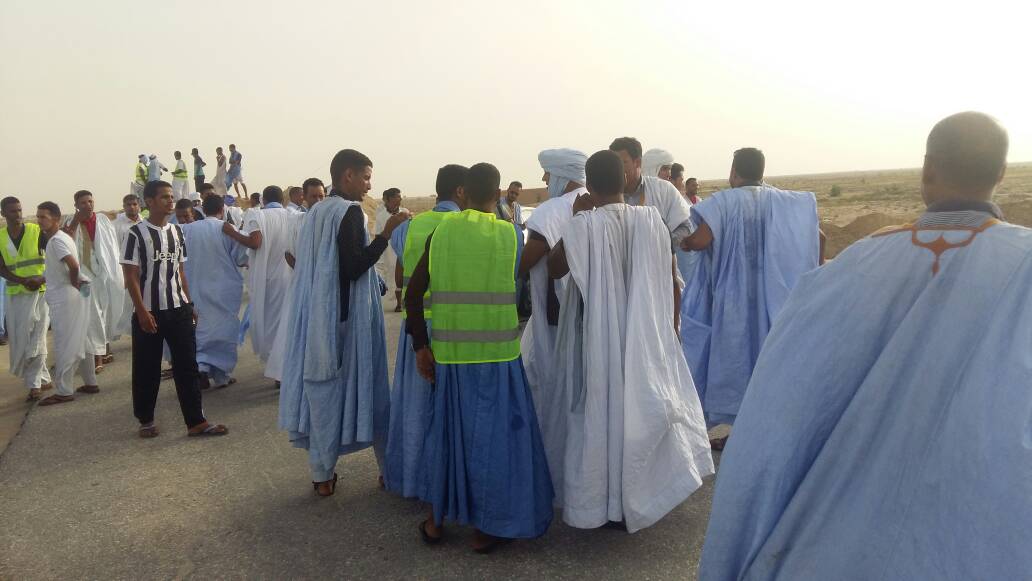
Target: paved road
(82,497)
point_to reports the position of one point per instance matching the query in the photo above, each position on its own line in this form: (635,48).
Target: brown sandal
(149,431)
(33,394)
(88,389)
(56,399)
(333,486)
(209,430)
(107,359)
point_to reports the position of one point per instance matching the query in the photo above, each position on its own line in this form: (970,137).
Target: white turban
(195,196)
(153,156)
(563,166)
(655,159)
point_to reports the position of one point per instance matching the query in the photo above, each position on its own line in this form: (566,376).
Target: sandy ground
(81,497)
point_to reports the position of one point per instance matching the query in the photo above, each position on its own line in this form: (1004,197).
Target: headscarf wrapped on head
(563,166)
(653,160)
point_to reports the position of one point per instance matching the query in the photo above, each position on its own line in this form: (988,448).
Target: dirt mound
(840,237)
(1018,212)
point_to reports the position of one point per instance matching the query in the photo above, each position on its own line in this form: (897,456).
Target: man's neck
(634,187)
(15,228)
(610,201)
(135,218)
(158,221)
(49,233)
(572,186)
(489,209)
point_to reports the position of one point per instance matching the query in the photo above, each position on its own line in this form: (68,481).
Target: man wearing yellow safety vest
(485,462)
(403,471)
(22,264)
(180,178)
(140,179)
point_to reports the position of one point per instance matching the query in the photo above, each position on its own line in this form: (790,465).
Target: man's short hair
(272,194)
(151,189)
(482,183)
(604,173)
(50,207)
(8,201)
(629,144)
(390,193)
(676,171)
(690,180)
(178,154)
(130,198)
(450,178)
(312,182)
(347,159)
(516,183)
(82,194)
(183,204)
(212,205)
(749,163)
(968,150)
(206,187)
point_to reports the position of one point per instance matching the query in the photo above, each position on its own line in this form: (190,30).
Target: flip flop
(426,536)
(33,394)
(150,431)
(88,389)
(210,430)
(107,359)
(46,387)
(333,486)
(99,369)
(56,399)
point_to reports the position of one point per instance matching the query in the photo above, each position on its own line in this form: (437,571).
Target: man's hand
(426,364)
(393,222)
(228,228)
(147,322)
(582,203)
(33,282)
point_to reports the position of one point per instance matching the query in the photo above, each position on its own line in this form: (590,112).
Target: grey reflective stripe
(405,279)
(471,298)
(33,262)
(455,336)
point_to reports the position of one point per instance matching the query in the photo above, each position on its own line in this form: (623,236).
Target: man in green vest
(410,393)
(180,178)
(485,462)
(21,263)
(140,178)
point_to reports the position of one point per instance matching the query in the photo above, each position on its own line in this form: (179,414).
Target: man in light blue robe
(335,397)
(216,287)
(755,242)
(886,430)
(403,469)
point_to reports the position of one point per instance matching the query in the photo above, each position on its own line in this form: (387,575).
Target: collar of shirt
(272,205)
(447,206)
(966,206)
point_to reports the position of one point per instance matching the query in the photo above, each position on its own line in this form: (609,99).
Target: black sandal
(333,486)
(426,536)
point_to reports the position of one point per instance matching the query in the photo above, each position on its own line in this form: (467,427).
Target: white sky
(86,86)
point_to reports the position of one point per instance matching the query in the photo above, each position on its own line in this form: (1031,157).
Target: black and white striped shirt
(158,252)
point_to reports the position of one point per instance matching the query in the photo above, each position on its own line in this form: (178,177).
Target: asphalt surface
(82,497)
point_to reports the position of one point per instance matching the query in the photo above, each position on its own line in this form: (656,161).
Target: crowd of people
(879,402)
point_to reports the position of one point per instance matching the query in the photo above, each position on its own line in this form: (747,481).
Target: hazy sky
(86,86)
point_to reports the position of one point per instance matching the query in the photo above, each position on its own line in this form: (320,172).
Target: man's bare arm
(677,296)
(131,274)
(824,241)
(252,240)
(73,269)
(533,252)
(701,239)
(399,274)
(558,267)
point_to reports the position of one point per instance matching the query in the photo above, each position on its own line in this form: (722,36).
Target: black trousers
(198,182)
(175,327)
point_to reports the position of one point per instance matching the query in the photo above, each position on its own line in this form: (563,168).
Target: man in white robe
(634,443)
(885,432)
(657,163)
(97,242)
(125,220)
(216,288)
(155,168)
(267,234)
(67,297)
(28,317)
(647,190)
(296,197)
(314,192)
(755,242)
(564,174)
(385,266)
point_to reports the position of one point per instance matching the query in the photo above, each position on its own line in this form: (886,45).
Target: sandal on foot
(56,399)
(46,387)
(209,430)
(494,543)
(717,444)
(333,486)
(149,431)
(98,369)
(204,382)
(107,359)
(33,394)
(426,536)
(88,389)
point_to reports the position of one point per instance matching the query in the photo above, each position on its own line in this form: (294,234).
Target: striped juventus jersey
(158,252)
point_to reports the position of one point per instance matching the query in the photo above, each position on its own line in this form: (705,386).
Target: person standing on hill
(22,265)
(235,176)
(220,183)
(755,242)
(140,176)
(155,168)
(152,260)
(180,178)
(198,172)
